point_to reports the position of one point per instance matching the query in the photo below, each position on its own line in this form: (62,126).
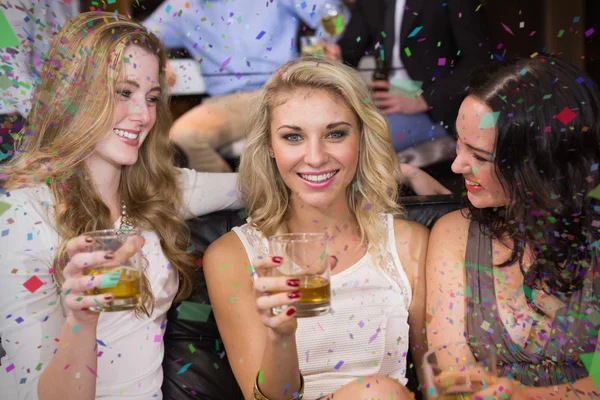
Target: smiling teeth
(131,136)
(318,178)
(472,183)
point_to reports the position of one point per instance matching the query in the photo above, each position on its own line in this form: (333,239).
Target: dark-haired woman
(518,269)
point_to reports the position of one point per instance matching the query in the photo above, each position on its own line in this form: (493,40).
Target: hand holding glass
(456,371)
(123,276)
(305,258)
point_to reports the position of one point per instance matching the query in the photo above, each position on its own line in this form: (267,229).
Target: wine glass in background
(456,371)
(333,18)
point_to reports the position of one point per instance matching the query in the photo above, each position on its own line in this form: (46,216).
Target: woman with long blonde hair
(95,155)
(319,159)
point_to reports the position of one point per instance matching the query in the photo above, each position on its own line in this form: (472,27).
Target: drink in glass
(304,258)
(122,276)
(333,18)
(456,371)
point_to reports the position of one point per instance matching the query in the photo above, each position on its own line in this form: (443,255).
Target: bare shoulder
(450,230)
(225,253)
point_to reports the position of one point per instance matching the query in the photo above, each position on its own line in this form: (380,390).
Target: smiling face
(315,141)
(475,155)
(138,91)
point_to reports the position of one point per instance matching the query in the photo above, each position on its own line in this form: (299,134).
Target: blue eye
(292,137)
(337,134)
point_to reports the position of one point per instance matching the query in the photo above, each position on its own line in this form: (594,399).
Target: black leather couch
(209,376)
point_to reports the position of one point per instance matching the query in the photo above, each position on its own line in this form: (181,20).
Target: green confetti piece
(383,34)
(192,348)
(338,27)
(547,96)
(260,376)
(110,279)
(4,207)
(189,311)
(7,35)
(38,367)
(561,33)
(592,364)
(5,82)
(488,120)
(594,317)
(111,1)
(595,193)
(407,52)
(405,88)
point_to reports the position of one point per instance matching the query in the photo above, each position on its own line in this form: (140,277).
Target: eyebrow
(330,126)
(137,85)
(477,148)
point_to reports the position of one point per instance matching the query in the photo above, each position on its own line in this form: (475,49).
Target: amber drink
(305,258)
(121,276)
(456,371)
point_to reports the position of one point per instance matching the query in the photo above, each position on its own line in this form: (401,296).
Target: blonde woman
(95,155)
(315,122)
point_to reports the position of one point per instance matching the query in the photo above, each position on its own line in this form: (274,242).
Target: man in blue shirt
(239,44)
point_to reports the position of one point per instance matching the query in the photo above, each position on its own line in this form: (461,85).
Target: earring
(271,153)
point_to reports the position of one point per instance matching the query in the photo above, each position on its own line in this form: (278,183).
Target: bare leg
(204,129)
(376,387)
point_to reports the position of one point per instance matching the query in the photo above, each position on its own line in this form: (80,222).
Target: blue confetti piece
(499,57)
(260,35)
(415,31)
(100,342)
(338,365)
(523,71)
(168,9)
(303,5)
(4,233)
(594,167)
(184,368)
(29,236)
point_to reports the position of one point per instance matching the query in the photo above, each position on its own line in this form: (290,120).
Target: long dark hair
(546,158)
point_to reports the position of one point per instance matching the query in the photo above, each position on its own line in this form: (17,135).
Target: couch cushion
(209,376)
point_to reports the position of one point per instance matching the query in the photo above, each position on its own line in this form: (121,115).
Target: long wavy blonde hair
(72,110)
(373,189)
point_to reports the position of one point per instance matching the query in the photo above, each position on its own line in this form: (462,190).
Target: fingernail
(290,312)
(109,256)
(277,259)
(89,239)
(293,282)
(108,296)
(294,295)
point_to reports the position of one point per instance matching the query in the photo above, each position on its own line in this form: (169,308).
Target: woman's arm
(249,344)
(205,192)
(446,280)
(411,242)
(421,182)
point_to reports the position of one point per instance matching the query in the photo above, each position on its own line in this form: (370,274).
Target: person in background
(239,46)
(34,24)
(425,51)
(319,159)
(518,269)
(95,155)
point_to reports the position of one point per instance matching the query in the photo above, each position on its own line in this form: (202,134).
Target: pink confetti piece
(441,61)
(361,324)
(157,338)
(10,367)
(589,32)
(507,29)
(92,371)
(224,64)
(33,284)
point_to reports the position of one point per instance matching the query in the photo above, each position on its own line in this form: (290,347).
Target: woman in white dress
(319,159)
(95,155)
